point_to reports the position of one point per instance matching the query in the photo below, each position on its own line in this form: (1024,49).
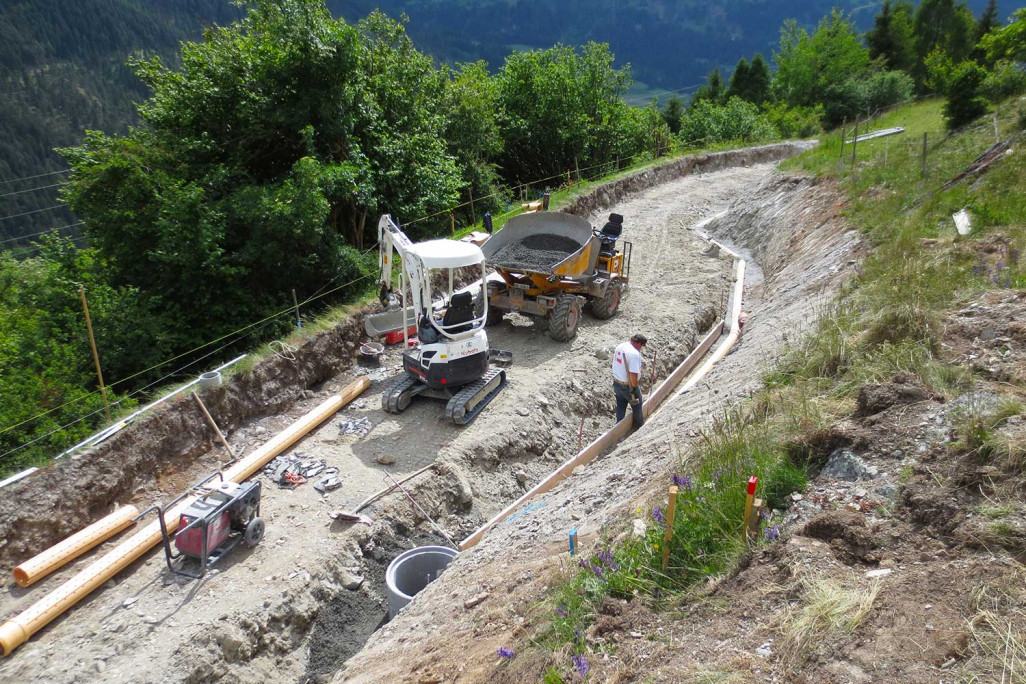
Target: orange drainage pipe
(62,553)
(17,630)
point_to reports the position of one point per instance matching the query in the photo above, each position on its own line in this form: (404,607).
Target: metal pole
(295,303)
(577,168)
(96,356)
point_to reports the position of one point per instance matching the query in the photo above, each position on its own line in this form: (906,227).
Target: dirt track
(302,602)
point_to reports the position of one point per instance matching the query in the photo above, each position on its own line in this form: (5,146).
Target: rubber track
(463,397)
(390,399)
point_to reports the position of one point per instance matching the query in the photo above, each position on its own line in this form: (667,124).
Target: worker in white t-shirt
(626,375)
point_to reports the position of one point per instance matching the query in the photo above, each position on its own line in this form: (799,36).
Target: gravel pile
(535,252)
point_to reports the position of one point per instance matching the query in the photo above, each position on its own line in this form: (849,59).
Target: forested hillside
(671,44)
(62,70)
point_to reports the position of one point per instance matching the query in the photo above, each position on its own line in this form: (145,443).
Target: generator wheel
(254,532)
(607,306)
(565,317)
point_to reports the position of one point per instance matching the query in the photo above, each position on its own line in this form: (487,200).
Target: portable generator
(212,525)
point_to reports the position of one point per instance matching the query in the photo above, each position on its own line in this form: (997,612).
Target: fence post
(577,168)
(923,172)
(473,216)
(854,144)
(840,155)
(671,509)
(295,304)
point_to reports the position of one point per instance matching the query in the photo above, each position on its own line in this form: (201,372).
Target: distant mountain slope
(670,44)
(62,71)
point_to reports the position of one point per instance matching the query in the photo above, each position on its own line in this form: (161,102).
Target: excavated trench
(300,604)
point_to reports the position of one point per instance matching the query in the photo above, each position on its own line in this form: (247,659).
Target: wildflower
(505,652)
(772,533)
(683,481)
(657,513)
(764,513)
(1013,256)
(561,612)
(580,664)
(655,546)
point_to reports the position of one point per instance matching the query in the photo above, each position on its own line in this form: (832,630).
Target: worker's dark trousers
(623,399)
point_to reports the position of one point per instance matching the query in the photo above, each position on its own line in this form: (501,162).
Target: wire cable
(42,232)
(41,175)
(41,187)
(34,211)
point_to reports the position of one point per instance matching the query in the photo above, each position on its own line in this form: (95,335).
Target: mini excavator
(451,359)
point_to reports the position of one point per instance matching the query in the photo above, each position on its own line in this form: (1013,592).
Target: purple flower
(580,664)
(772,533)
(561,612)
(1013,256)
(657,513)
(764,514)
(505,652)
(682,481)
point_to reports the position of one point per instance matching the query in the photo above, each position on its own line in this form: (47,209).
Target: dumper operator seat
(461,310)
(610,233)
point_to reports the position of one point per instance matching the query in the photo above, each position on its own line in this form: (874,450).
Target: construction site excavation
(348,482)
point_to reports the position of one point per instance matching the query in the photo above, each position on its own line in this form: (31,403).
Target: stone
(521,476)
(129,602)
(350,580)
(876,574)
(603,353)
(639,528)
(476,600)
(843,464)
(101,666)
(385,459)
(523,412)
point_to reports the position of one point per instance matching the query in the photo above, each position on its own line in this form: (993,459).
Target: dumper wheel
(607,306)
(495,315)
(565,317)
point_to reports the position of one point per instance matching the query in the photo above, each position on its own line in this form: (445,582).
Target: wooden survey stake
(671,509)
(753,482)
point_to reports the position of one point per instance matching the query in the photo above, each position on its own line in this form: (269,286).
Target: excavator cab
(451,358)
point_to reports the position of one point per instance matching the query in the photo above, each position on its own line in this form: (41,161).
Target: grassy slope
(888,320)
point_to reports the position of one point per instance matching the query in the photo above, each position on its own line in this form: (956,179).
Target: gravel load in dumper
(535,252)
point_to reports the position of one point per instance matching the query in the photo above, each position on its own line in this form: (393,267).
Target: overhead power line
(41,187)
(41,175)
(34,211)
(48,230)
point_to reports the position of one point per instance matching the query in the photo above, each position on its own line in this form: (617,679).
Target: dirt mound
(877,397)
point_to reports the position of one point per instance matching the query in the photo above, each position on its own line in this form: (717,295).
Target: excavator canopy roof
(448,253)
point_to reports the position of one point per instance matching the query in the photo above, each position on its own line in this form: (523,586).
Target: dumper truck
(553,265)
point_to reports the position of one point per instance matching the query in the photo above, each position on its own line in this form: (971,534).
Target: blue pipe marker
(573,542)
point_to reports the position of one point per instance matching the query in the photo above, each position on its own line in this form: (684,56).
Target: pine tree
(891,38)
(758,80)
(672,113)
(987,23)
(712,90)
(739,80)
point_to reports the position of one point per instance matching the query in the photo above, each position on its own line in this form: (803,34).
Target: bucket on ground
(413,570)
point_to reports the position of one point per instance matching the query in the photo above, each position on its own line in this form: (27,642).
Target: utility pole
(96,356)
